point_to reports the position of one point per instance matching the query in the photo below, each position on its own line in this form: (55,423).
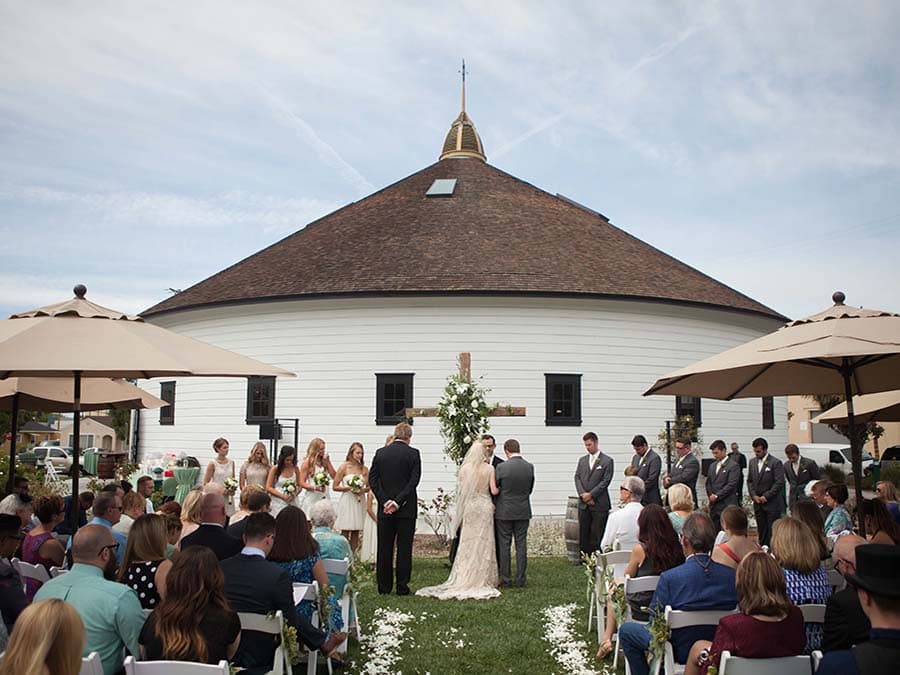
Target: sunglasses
(622,487)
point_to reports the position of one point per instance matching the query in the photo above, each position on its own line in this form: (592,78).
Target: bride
(474,574)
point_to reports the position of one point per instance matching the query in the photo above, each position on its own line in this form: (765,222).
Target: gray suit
(768,483)
(686,470)
(592,519)
(809,471)
(649,473)
(515,478)
(724,485)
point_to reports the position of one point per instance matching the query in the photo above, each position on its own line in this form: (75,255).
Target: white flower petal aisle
(569,651)
(382,642)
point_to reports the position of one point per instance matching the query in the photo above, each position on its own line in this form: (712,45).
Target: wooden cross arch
(465,372)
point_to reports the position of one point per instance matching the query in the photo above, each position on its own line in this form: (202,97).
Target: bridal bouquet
(356,483)
(321,479)
(289,487)
(231,484)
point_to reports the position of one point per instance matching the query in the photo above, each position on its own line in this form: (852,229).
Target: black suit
(649,467)
(685,471)
(213,537)
(797,481)
(723,483)
(845,622)
(739,459)
(768,483)
(253,584)
(394,476)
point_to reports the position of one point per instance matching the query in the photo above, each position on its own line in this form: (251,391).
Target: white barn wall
(337,345)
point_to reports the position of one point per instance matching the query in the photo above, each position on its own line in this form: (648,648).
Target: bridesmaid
(221,467)
(351,509)
(255,470)
(316,460)
(283,471)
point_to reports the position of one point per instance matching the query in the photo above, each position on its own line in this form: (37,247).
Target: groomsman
(798,471)
(765,485)
(592,478)
(738,458)
(685,470)
(721,482)
(648,465)
(490,444)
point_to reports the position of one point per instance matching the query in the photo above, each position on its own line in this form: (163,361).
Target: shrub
(834,473)
(34,475)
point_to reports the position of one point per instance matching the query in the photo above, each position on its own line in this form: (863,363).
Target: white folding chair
(133,667)
(813,613)
(272,625)
(594,603)
(683,619)
(310,592)
(57,572)
(635,585)
(835,580)
(788,665)
(91,665)
(29,571)
(348,601)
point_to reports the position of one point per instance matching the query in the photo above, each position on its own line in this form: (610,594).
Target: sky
(145,146)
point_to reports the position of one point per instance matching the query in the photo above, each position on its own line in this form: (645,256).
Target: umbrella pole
(855,448)
(76,446)
(13,432)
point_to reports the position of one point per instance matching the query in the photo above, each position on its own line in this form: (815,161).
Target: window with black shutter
(260,399)
(689,405)
(393,395)
(563,400)
(768,412)
(167,393)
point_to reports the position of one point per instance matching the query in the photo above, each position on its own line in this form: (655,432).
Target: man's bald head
(844,553)
(212,508)
(89,542)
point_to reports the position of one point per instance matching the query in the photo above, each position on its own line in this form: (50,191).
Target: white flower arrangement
(230,484)
(570,652)
(383,640)
(463,416)
(321,479)
(356,483)
(289,487)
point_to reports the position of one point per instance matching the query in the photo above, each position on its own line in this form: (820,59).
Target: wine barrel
(573,552)
(107,463)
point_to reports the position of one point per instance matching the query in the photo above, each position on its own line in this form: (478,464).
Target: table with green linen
(186,479)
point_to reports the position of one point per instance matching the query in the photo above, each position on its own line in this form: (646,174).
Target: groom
(393,477)
(515,480)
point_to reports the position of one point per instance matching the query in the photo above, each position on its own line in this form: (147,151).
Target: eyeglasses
(878,489)
(111,547)
(622,487)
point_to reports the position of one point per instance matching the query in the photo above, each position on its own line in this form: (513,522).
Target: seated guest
(190,513)
(768,625)
(48,640)
(194,621)
(39,547)
(738,544)
(85,502)
(332,545)
(173,534)
(10,503)
(171,508)
(886,491)
(796,549)
(243,508)
(621,531)
(133,507)
(681,501)
(20,506)
(257,501)
(253,584)
(12,595)
(107,511)
(880,526)
(144,567)
(699,583)
(838,519)
(845,622)
(297,551)
(211,532)
(658,549)
(807,512)
(879,594)
(819,489)
(110,611)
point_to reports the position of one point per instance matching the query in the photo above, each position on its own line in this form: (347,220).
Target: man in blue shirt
(697,584)
(879,595)
(110,611)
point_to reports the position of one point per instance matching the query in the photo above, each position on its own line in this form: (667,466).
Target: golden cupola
(463,139)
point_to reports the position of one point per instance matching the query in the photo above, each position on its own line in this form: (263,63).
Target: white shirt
(622,526)
(148,505)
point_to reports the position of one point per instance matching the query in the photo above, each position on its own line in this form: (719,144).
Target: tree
(25,416)
(120,421)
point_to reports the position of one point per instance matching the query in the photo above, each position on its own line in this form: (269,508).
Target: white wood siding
(336,346)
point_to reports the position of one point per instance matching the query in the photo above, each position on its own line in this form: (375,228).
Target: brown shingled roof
(495,235)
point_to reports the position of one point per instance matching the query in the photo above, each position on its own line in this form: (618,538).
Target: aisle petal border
(382,643)
(569,651)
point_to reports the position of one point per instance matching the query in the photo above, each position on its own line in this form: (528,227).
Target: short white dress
(351,509)
(220,473)
(277,502)
(310,497)
(368,549)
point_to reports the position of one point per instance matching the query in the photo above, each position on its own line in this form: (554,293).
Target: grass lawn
(501,635)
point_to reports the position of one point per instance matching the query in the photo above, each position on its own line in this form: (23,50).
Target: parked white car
(58,456)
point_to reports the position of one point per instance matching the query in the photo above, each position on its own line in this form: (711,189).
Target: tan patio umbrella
(881,407)
(57,394)
(78,338)
(842,350)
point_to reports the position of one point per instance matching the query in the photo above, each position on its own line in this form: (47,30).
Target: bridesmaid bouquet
(231,484)
(356,483)
(289,487)
(321,479)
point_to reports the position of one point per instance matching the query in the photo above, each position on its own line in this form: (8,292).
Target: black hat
(877,568)
(10,526)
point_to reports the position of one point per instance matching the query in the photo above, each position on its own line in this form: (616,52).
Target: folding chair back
(57,572)
(789,665)
(273,625)
(29,571)
(813,613)
(835,580)
(339,568)
(91,665)
(683,619)
(133,667)
(597,602)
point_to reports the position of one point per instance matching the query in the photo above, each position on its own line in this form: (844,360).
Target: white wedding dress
(474,575)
